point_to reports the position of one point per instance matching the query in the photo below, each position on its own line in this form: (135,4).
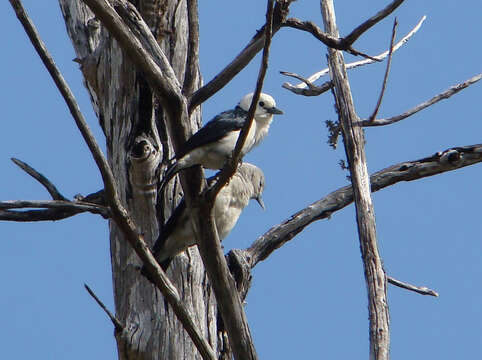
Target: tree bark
(354,141)
(137,142)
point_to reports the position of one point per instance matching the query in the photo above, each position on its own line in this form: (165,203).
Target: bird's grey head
(254,177)
(265,108)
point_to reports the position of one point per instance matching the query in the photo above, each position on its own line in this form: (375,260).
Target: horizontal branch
(52,214)
(298,89)
(56,204)
(445,95)
(277,236)
(423,290)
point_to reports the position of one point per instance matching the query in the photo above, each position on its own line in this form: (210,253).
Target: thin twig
(230,307)
(445,95)
(418,289)
(310,90)
(56,195)
(387,71)
(355,64)
(116,322)
(120,215)
(230,169)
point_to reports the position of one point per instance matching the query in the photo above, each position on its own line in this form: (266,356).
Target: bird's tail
(171,171)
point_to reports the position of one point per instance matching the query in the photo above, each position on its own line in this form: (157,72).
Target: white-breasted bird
(177,235)
(214,143)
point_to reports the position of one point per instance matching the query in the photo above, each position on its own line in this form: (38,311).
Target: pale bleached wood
(354,142)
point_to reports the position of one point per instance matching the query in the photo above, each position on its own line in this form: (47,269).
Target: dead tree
(139,60)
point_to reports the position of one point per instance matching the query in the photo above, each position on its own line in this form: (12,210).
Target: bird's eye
(261,103)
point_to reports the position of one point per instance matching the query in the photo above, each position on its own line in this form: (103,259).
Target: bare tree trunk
(137,141)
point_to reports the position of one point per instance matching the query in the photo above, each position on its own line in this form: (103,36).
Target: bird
(214,143)
(247,183)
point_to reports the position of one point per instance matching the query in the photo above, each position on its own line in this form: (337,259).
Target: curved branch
(56,195)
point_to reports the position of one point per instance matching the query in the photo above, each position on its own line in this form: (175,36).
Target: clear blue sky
(309,297)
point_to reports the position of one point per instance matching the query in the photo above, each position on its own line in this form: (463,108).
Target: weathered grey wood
(443,161)
(354,141)
(126,110)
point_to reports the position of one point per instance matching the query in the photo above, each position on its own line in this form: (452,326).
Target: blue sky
(310,294)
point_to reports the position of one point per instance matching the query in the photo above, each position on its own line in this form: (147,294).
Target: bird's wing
(215,129)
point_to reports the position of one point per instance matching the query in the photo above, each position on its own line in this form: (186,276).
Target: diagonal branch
(231,166)
(56,195)
(441,162)
(423,290)
(297,88)
(116,322)
(387,71)
(382,14)
(345,43)
(119,213)
(445,95)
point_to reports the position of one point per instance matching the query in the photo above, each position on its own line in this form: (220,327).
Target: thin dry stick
(445,95)
(233,315)
(117,324)
(387,71)
(355,64)
(56,195)
(418,289)
(119,214)
(229,170)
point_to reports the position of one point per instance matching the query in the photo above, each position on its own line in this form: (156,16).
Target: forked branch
(298,89)
(345,43)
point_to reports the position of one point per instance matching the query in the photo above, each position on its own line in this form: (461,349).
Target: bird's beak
(260,201)
(274,110)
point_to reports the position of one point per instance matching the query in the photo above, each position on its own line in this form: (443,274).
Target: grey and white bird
(214,143)
(177,235)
